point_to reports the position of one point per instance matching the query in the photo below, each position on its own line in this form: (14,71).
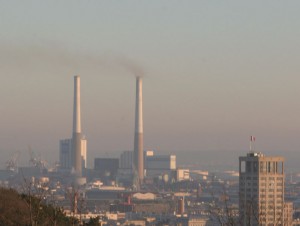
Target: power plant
(138,163)
(145,187)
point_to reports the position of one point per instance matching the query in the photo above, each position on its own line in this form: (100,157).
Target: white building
(161,166)
(84,152)
(156,162)
(155,165)
(182,174)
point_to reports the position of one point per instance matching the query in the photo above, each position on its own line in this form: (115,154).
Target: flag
(252,138)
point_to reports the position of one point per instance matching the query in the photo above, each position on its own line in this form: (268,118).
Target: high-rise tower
(76,136)
(261,190)
(138,163)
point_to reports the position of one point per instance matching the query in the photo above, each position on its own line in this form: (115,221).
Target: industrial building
(161,166)
(156,166)
(65,157)
(65,153)
(160,162)
(126,159)
(106,168)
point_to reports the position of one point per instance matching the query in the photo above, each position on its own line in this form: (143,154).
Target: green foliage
(16,209)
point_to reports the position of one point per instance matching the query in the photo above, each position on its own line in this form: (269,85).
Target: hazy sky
(215,72)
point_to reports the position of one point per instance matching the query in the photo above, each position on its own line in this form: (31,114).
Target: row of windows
(270,196)
(264,167)
(249,178)
(271,185)
(271,207)
(272,178)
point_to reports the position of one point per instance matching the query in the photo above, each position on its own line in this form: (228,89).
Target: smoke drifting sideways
(131,66)
(36,85)
(58,59)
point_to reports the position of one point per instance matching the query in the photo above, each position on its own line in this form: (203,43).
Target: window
(271,167)
(248,167)
(243,167)
(255,167)
(280,167)
(262,167)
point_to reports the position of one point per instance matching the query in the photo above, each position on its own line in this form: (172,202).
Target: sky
(214,73)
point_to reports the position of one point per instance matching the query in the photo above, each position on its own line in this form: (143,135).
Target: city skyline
(214,74)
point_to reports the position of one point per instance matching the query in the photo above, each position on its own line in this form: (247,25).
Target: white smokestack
(76,138)
(138,135)
(76,110)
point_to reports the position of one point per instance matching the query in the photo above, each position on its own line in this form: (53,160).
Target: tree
(14,211)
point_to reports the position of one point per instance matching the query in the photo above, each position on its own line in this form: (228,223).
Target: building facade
(160,162)
(107,167)
(126,160)
(261,190)
(65,153)
(161,166)
(83,143)
(65,158)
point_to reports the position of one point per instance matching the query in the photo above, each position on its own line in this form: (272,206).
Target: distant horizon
(214,74)
(210,161)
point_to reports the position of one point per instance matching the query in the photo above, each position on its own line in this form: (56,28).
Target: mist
(37,91)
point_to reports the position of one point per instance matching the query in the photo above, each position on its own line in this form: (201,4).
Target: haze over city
(213,73)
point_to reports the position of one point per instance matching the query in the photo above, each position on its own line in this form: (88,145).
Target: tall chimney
(138,135)
(76,137)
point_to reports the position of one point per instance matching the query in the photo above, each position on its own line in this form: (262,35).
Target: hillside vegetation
(26,210)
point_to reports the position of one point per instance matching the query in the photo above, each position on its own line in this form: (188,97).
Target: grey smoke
(61,60)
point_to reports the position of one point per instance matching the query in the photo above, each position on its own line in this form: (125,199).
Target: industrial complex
(144,187)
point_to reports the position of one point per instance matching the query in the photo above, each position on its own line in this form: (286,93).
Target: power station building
(65,153)
(106,167)
(126,160)
(161,166)
(155,165)
(261,190)
(160,162)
